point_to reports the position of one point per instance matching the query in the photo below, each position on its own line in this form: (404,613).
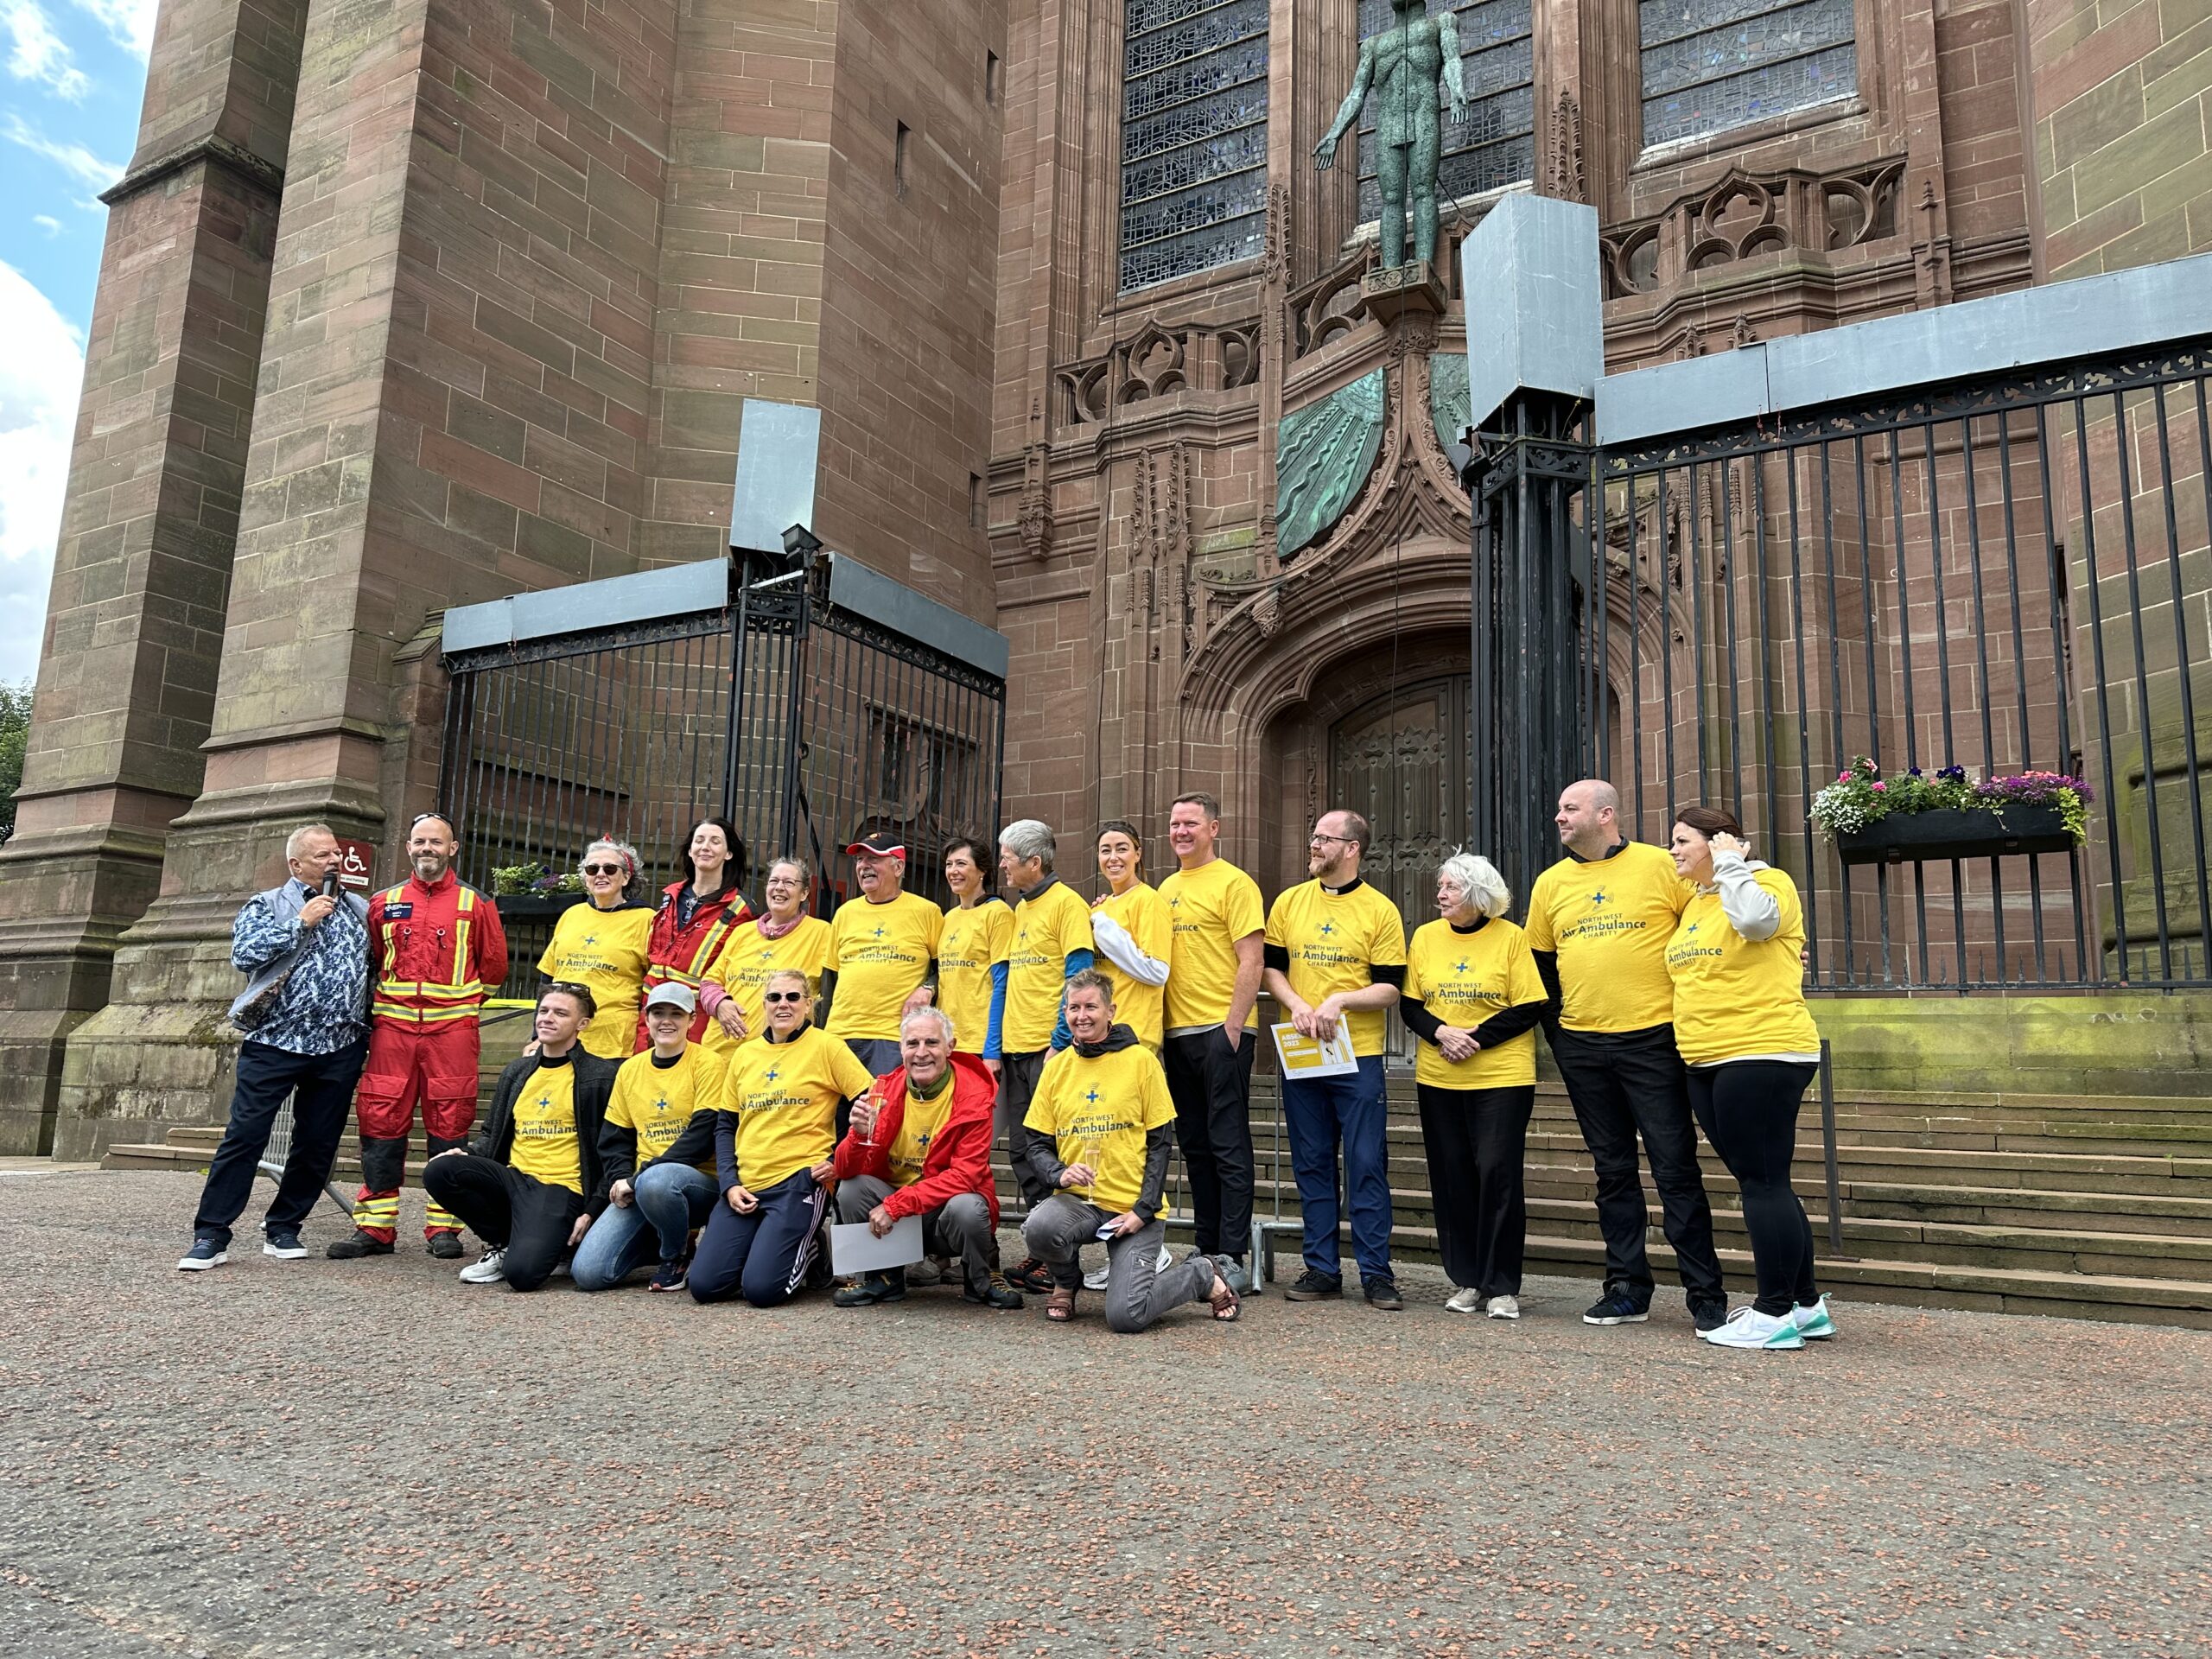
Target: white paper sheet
(855,1250)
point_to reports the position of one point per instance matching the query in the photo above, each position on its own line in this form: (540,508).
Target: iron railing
(804,721)
(2007,574)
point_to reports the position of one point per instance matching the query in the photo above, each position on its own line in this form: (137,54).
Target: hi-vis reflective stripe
(376,1212)
(436,1215)
(410,1015)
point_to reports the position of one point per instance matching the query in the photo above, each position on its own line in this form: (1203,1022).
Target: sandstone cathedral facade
(409,304)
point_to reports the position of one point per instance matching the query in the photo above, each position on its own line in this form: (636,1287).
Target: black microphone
(330,884)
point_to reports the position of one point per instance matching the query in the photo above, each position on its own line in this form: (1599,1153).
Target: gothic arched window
(1194,135)
(1712,65)
(1496,146)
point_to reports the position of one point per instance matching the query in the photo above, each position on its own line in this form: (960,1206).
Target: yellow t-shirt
(746,960)
(545,1129)
(1335,941)
(1736,997)
(658,1100)
(1046,929)
(923,1123)
(605,951)
(1097,1112)
(879,954)
(1143,915)
(1463,979)
(968,943)
(1210,909)
(1609,921)
(785,1096)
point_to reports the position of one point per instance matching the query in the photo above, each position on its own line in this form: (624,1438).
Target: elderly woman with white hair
(1474,998)
(603,944)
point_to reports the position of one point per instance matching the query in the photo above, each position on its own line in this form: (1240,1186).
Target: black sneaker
(360,1244)
(1618,1306)
(670,1276)
(206,1252)
(1382,1293)
(1710,1316)
(445,1244)
(993,1292)
(283,1243)
(1313,1286)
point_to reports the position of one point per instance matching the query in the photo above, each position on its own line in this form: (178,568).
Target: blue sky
(72,72)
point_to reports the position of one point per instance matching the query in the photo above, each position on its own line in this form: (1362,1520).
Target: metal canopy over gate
(807,700)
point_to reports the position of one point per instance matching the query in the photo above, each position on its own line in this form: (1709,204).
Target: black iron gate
(2009,574)
(816,703)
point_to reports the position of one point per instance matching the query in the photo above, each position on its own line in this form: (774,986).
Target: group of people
(706,1086)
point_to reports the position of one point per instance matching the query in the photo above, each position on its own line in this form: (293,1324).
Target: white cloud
(48,223)
(41,374)
(37,53)
(75,160)
(130,24)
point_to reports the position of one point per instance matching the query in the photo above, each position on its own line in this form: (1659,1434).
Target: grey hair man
(920,1145)
(304,948)
(1052,944)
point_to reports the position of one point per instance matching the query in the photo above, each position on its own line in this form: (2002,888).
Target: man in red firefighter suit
(437,951)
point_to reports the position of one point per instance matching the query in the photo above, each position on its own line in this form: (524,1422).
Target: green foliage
(14,731)
(514,879)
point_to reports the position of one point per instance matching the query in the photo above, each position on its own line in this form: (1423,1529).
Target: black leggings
(1476,1142)
(1748,1110)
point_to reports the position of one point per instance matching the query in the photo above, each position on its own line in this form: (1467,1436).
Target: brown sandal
(1227,1304)
(1060,1305)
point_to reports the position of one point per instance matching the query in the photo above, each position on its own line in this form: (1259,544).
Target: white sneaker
(1464,1301)
(1503,1307)
(488,1268)
(1814,1322)
(1095,1280)
(1167,1259)
(1748,1328)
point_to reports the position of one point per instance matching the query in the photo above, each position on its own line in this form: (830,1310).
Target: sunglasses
(784,996)
(603,869)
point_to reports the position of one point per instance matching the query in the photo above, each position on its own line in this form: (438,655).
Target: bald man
(1598,922)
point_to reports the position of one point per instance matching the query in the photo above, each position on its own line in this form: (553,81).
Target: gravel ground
(368,1460)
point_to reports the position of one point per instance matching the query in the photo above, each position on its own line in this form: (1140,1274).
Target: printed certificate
(1302,1057)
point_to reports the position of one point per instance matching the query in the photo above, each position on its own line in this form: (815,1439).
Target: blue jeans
(668,1201)
(1317,1112)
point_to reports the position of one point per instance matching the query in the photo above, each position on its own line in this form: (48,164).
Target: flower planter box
(530,906)
(1945,833)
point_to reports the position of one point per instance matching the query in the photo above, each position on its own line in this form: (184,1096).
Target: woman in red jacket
(696,915)
(920,1145)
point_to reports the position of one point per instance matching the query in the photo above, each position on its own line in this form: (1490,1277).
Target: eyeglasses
(1316,839)
(603,869)
(783,996)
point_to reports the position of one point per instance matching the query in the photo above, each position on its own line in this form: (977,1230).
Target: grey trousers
(960,1226)
(1137,1292)
(1017,1076)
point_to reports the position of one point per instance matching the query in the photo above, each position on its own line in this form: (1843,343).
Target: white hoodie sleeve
(1113,941)
(1751,909)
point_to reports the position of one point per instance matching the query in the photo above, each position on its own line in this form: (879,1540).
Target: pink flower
(1881,786)
(1843,777)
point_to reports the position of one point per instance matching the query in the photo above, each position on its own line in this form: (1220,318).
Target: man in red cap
(437,951)
(882,954)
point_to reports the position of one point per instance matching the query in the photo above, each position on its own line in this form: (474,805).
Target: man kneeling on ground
(1098,1131)
(920,1145)
(531,1183)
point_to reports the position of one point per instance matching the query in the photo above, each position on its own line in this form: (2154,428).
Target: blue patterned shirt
(325,1001)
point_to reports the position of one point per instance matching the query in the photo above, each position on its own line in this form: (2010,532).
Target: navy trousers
(762,1256)
(321,1088)
(1319,1113)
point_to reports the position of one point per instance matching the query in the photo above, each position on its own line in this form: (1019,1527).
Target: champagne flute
(874,1115)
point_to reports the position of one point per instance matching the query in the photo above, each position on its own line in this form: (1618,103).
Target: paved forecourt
(371,1459)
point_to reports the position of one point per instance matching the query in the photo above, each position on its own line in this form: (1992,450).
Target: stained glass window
(1194,135)
(1497,145)
(1711,65)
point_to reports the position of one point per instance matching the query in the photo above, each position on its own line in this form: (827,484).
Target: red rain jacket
(957,1160)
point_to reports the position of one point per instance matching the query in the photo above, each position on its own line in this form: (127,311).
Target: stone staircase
(2097,1209)
(2091,1209)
